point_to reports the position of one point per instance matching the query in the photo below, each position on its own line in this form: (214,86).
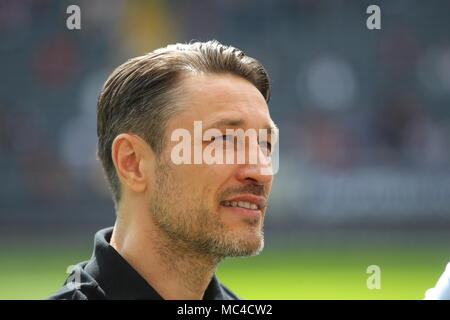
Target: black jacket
(109,276)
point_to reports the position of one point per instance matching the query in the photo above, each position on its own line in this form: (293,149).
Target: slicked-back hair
(141,95)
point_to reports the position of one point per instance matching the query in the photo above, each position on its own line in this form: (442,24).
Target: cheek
(218,174)
(200,182)
(210,180)
(189,180)
(269,186)
(205,173)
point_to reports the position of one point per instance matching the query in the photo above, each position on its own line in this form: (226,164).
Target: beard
(190,224)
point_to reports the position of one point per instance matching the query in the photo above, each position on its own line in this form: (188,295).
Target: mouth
(250,206)
(240,204)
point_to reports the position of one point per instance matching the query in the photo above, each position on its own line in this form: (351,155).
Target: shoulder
(79,285)
(66,293)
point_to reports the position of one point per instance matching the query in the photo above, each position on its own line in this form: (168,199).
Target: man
(176,222)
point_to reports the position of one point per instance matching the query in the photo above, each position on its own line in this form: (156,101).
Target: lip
(244,211)
(261,202)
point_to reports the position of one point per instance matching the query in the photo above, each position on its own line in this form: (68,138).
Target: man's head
(148,98)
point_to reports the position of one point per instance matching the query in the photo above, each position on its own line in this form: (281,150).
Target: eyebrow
(271,127)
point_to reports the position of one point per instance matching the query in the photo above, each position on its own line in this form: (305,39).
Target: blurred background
(364,120)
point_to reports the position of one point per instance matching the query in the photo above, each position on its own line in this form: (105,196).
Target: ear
(130,155)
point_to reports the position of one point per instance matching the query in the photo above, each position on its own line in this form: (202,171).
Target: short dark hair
(140,96)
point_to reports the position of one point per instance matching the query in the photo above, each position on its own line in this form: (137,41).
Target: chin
(245,244)
(243,237)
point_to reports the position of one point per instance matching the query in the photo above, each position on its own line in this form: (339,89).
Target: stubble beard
(194,228)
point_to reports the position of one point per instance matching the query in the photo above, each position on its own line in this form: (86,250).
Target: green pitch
(334,274)
(304,273)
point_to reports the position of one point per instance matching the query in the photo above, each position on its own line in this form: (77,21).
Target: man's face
(194,202)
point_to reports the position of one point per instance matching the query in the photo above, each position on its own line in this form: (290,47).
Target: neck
(176,269)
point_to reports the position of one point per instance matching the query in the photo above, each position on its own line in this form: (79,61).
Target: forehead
(214,97)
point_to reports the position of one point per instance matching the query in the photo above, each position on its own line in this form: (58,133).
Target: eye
(227,137)
(266,145)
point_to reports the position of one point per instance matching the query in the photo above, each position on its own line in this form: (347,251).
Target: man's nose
(257,173)
(257,167)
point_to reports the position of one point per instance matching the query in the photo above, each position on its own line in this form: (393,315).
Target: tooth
(244,204)
(234,203)
(226,203)
(254,206)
